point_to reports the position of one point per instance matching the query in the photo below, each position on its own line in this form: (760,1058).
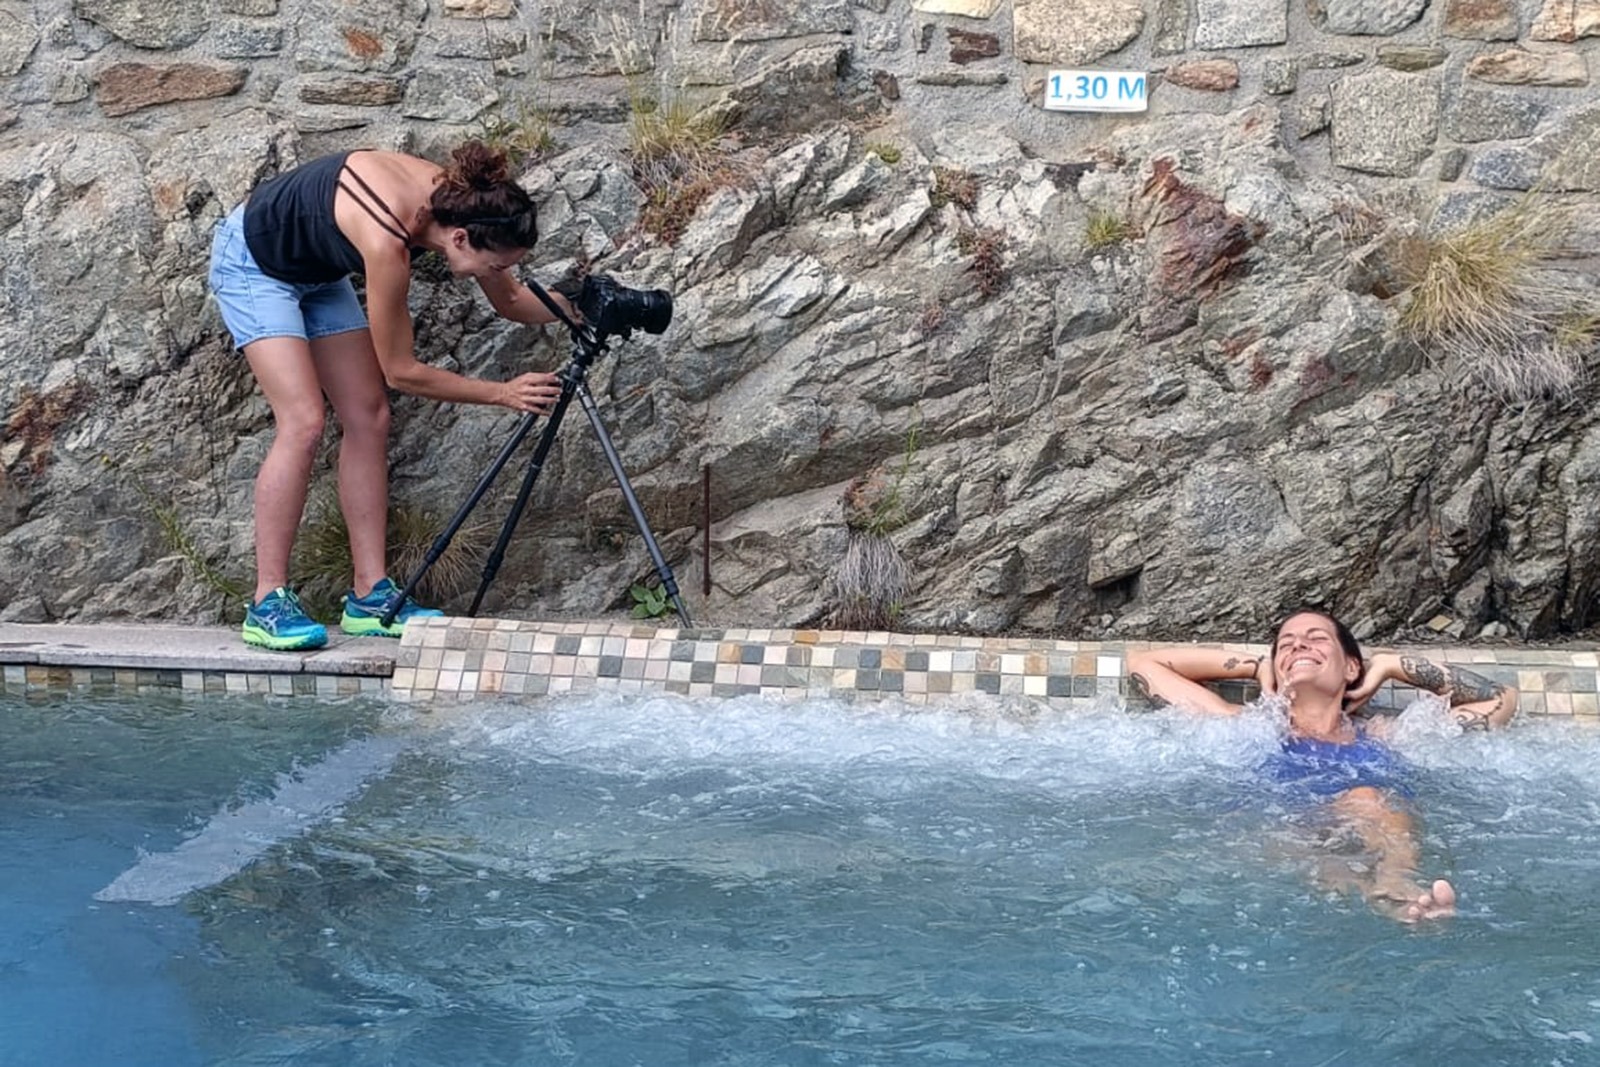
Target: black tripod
(587,346)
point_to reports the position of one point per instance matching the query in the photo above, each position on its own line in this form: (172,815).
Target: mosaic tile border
(33,678)
(459,659)
(452,659)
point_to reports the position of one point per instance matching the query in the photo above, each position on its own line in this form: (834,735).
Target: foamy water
(664,881)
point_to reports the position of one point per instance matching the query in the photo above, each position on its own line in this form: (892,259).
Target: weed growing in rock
(987,249)
(521,128)
(886,152)
(677,161)
(1105,229)
(649,601)
(871,581)
(175,534)
(1486,298)
(322,554)
(870,584)
(956,187)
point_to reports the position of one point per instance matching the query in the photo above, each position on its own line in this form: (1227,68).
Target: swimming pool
(604,880)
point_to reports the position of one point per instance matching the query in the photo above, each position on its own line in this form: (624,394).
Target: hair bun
(475,165)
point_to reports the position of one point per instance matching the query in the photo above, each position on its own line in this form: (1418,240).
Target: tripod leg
(491,566)
(668,582)
(442,542)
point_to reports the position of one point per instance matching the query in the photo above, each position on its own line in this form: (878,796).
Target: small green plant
(177,538)
(1485,297)
(952,186)
(1105,229)
(649,601)
(521,128)
(886,152)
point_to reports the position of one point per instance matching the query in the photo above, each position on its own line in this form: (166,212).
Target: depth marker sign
(1097,90)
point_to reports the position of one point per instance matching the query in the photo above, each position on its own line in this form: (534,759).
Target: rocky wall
(896,300)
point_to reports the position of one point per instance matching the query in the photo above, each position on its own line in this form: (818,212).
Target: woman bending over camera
(280,270)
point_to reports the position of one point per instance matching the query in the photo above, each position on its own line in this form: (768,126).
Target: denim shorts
(255,305)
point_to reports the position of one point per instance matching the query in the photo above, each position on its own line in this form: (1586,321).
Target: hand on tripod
(535,393)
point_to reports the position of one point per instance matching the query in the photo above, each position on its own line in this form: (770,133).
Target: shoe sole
(357,626)
(261,639)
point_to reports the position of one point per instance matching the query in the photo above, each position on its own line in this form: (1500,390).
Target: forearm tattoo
(1141,689)
(1235,661)
(1460,685)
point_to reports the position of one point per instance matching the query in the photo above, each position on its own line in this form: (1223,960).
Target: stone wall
(1174,433)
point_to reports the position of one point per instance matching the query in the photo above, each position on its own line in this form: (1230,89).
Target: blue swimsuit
(1327,768)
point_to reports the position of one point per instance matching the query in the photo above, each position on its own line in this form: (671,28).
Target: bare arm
(388,268)
(1176,675)
(1477,702)
(513,300)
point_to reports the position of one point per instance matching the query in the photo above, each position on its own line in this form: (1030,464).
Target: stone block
(479,9)
(448,95)
(248,7)
(972,9)
(1487,115)
(1172,28)
(353,92)
(1480,20)
(1517,66)
(124,88)
(247,40)
(1384,122)
(1411,57)
(18,38)
(727,20)
(1240,23)
(1084,32)
(1207,75)
(1365,17)
(1575,166)
(1566,20)
(375,35)
(1280,76)
(1508,168)
(966,47)
(148,23)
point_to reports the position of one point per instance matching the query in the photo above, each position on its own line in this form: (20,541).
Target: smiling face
(1308,653)
(466,261)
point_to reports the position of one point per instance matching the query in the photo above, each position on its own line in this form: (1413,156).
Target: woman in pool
(1316,665)
(280,270)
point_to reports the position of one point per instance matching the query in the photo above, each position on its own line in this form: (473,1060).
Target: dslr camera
(611,308)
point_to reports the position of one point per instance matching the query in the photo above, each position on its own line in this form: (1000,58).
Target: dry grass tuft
(870,583)
(1105,229)
(678,161)
(322,554)
(1487,298)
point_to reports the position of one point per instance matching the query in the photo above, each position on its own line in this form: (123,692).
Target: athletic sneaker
(363,615)
(279,622)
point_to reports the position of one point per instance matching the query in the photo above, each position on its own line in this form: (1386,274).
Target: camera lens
(654,311)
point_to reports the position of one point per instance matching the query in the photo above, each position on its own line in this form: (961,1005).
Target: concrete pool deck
(463,659)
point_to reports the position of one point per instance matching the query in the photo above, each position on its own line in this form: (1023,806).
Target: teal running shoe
(363,615)
(279,622)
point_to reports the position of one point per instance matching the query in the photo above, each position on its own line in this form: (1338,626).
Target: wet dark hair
(1347,640)
(476,193)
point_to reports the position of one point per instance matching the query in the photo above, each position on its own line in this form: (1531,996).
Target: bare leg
(283,367)
(348,369)
(1388,833)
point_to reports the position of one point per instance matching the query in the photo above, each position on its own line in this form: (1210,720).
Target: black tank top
(290,228)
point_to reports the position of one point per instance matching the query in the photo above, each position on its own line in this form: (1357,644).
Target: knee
(300,429)
(368,421)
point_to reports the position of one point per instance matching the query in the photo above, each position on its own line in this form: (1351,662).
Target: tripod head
(609,309)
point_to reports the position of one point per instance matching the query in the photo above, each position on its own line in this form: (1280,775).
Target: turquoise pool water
(659,882)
